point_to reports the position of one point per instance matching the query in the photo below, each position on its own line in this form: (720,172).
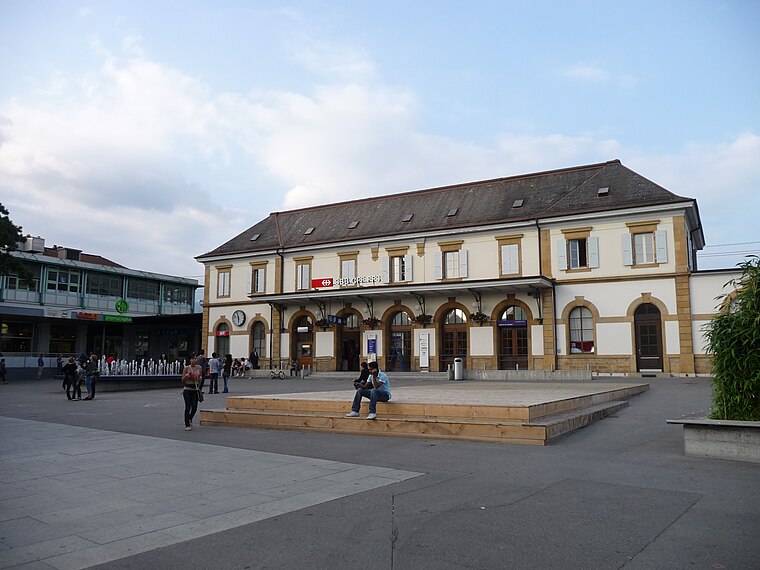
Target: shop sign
(88,316)
(117,319)
(122,306)
(333,320)
(345,281)
(58,313)
(507,323)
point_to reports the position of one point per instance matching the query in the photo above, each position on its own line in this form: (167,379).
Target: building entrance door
(400,354)
(648,327)
(453,338)
(303,339)
(513,339)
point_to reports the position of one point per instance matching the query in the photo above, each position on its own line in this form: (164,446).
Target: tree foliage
(733,338)
(10,236)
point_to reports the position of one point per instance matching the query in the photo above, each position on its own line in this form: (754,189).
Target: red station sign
(321,283)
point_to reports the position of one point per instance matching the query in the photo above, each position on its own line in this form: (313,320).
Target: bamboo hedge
(733,338)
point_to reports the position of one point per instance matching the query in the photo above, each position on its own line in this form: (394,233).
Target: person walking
(40,367)
(91,373)
(226,370)
(191,378)
(69,371)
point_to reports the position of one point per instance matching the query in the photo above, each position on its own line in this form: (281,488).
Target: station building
(77,302)
(592,267)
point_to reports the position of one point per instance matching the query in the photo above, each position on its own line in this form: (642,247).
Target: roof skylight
(518,203)
(254,237)
(451,213)
(603,191)
(308,231)
(352,225)
(408,218)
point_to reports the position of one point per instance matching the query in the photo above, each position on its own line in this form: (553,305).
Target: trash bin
(458,369)
(451,372)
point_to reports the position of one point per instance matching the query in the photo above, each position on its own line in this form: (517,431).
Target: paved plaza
(118,483)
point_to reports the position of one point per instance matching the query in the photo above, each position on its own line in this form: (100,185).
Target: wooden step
(504,414)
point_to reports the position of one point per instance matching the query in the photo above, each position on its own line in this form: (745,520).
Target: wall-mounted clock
(238,318)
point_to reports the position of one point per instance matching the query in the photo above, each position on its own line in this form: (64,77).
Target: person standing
(59,365)
(202,361)
(254,359)
(90,370)
(226,370)
(69,371)
(2,371)
(40,366)
(80,376)
(380,392)
(213,366)
(191,378)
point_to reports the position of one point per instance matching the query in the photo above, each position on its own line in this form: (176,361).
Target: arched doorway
(453,338)
(303,341)
(400,354)
(648,333)
(259,340)
(349,343)
(513,339)
(222,335)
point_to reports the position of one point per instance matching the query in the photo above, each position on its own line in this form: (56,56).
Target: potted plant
(371,321)
(422,319)
(323,323)
(479,317)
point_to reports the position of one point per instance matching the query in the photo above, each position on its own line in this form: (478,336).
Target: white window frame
(303,275)
(223,278)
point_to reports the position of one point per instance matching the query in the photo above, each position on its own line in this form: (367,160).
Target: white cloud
(128,161)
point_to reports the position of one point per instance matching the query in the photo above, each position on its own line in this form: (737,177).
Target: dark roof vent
(352,225)
(518,203)
(603,191)
(254,237)
(308,231)
(408,218)
(451,213)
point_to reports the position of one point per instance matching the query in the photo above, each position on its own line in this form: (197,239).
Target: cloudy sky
(153,131)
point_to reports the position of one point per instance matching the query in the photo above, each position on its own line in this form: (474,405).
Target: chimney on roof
(68,253)
(33,244)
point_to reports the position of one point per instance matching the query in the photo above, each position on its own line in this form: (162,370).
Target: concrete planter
(721,439)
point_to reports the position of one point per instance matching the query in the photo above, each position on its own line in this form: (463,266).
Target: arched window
(455,317)
(514,313)
(352,321)
(581,331)
(401,319)
(259,339)
(223,338)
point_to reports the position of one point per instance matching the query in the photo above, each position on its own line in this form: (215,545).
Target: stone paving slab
(74,497)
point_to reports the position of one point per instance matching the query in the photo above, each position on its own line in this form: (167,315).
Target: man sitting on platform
(380,392)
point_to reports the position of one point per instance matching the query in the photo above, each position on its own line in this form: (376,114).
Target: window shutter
(439,265)
(626,242)
(661,245)
(408,261)
(593,252)
(250,278)
(463,263)
(510,264)
(505,267)
(261,287)
(562,254)
(386,265)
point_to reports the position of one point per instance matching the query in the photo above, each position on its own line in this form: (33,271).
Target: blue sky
(151,132)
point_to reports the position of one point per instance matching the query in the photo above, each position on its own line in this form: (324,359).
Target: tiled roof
(545,194)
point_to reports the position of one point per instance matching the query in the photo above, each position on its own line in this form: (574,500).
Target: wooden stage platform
(529,413)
